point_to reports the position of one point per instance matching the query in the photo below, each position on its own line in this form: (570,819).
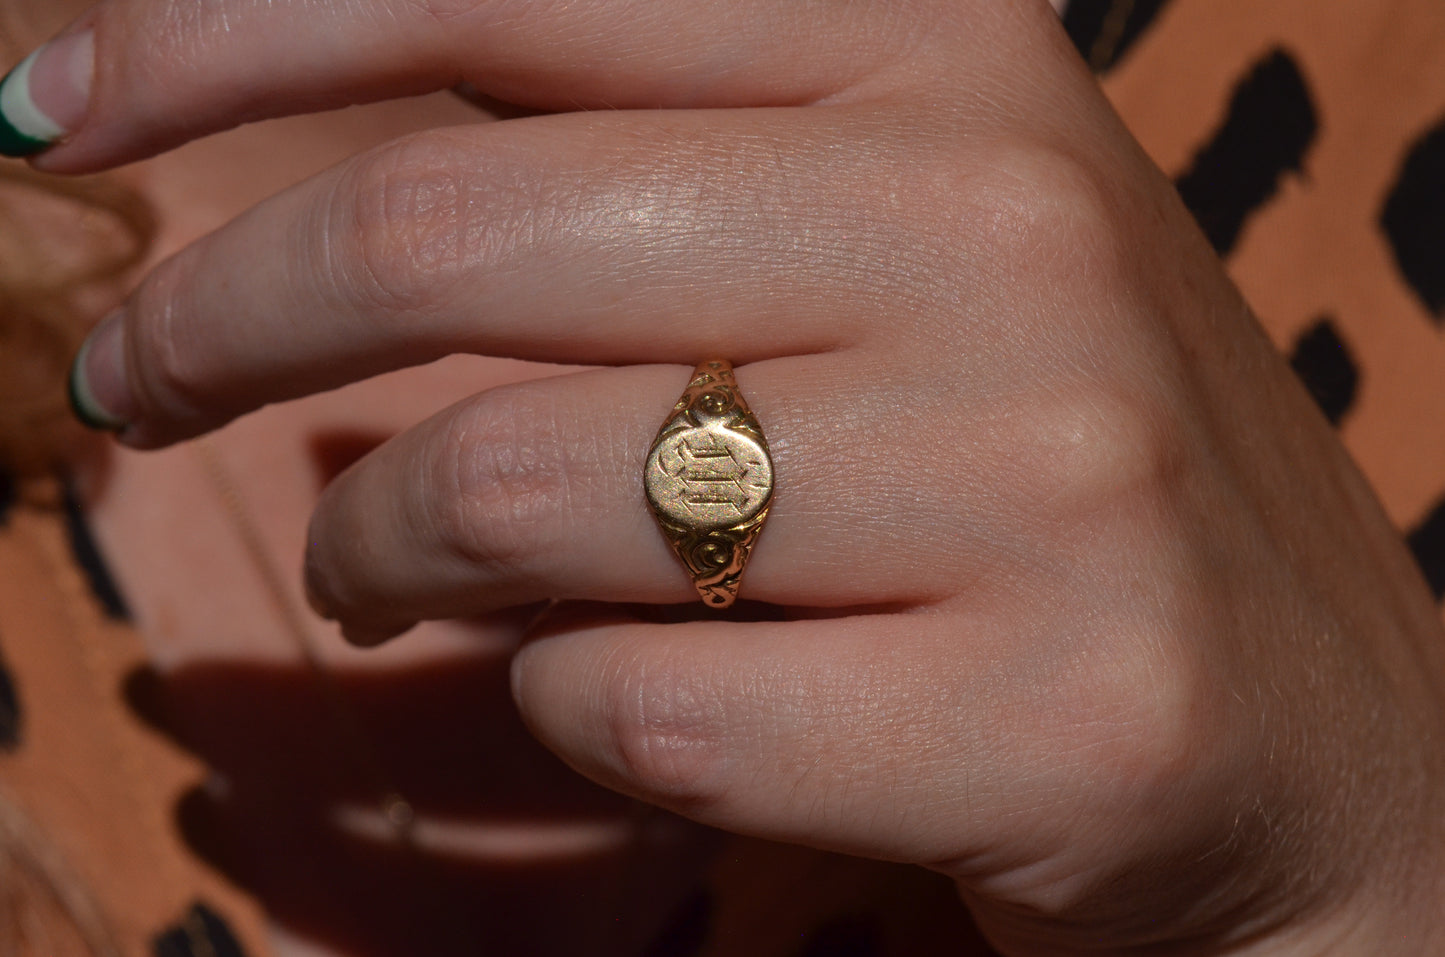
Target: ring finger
(534,491)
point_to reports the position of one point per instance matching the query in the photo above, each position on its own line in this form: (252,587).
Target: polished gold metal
(709,481)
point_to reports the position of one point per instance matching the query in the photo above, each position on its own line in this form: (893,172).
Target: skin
(1081,602)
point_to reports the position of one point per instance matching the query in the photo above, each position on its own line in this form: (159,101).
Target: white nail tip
(86,406)
(19,108)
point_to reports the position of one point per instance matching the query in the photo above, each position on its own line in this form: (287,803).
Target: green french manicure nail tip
(12,141)
(15,143)
(24,129)
(84,407)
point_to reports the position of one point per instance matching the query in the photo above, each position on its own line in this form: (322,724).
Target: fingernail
(313,595)
(47,95)
(98,390)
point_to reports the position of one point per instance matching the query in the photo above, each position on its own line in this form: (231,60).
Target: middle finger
(587,238)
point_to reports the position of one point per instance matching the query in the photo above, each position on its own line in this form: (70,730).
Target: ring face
(709,481)
(709,477)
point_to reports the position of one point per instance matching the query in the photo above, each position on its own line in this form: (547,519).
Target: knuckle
(1024,217)
(1136,713)
(172,375)
(499,485)
(1026,213)
(406,229)
(1051,209)
(1101,428)
(443,11)
(665,725)
(1091,450)
(1129,711)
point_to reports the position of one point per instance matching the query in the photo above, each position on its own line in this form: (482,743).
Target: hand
(1057,536)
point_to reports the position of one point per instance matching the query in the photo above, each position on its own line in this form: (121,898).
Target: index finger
(135,77)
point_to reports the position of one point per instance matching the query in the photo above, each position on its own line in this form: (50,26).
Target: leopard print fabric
(1309,141)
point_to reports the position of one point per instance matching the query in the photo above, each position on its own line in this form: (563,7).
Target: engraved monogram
(709,480)
(721,478)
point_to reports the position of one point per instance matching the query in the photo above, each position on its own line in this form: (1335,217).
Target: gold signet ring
(709,479)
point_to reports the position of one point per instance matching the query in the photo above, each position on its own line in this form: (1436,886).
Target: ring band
(709,481)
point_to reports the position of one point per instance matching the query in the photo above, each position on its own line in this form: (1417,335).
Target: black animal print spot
(1323,362)
(1104,30)
(1427,541)
(87,555)
(201,933)
(1414,220)
(7,495)
(9,710)
(1269,128)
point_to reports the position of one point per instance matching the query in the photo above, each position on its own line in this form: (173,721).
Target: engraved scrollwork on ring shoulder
(709,481)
